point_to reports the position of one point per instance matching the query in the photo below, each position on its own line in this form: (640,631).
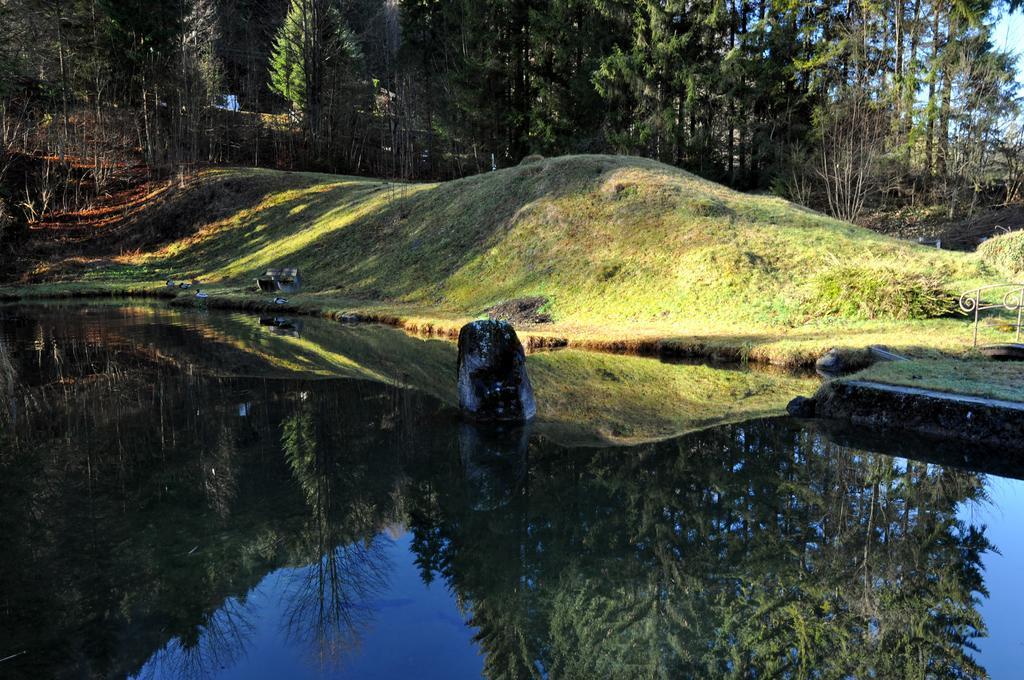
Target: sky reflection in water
(407,630)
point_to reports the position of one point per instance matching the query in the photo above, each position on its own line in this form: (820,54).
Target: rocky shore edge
(975,420)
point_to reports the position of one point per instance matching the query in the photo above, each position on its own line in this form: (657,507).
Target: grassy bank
(988,379)
(1006,254)
(632,255)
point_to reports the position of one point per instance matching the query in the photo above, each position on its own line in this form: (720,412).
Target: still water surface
(197,495)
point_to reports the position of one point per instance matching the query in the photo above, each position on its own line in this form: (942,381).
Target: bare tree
(852,136)
(14,126)
(980,109)
(1011,151)
(199,79)
(798,183)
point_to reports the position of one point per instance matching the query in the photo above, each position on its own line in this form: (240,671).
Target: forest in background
(847,106)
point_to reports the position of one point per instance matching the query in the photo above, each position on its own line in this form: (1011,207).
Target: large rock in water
(493,384)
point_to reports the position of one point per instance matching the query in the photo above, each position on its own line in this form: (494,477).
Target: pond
(189,494)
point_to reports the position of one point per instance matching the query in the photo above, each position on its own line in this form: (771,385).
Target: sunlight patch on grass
(980,378)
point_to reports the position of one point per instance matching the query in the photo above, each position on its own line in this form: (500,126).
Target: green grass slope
(977,378)
(606,238)
(623,247)
(1006,254)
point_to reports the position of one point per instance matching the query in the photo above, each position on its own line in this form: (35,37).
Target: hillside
(624,249)
(1005,253)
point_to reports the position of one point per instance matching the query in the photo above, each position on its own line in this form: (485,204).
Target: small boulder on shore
(831,363)
(493,384)
(801,407)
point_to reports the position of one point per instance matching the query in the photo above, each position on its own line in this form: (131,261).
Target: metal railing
(973,302)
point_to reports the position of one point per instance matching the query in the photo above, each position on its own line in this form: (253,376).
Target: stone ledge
(989,422)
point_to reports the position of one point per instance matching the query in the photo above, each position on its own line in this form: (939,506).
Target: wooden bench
(285,280)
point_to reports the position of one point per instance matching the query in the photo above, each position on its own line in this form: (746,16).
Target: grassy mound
(606,239)
(629,255)
(1005,253)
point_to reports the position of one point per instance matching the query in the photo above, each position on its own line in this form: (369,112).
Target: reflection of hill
(583,398)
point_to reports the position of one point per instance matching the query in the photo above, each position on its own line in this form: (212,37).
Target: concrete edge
(989,422)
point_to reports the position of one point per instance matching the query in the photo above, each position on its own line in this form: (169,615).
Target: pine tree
(287,59)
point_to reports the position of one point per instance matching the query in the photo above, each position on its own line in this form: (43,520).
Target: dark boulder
(801,407)
(493,384)
(831,363)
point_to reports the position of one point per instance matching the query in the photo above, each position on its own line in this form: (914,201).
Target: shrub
(879,293)
(1005,253)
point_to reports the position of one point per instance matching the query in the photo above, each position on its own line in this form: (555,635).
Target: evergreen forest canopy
(840,105)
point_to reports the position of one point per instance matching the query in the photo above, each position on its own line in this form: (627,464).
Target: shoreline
(534,339)
(676,267)
(996,424)
(864,403)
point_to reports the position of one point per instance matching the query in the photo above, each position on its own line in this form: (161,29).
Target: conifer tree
(287,67)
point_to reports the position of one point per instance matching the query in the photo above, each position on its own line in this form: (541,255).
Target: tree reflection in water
(219,643)
(142,502)
(749,550)
(8,381)
(330,602)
